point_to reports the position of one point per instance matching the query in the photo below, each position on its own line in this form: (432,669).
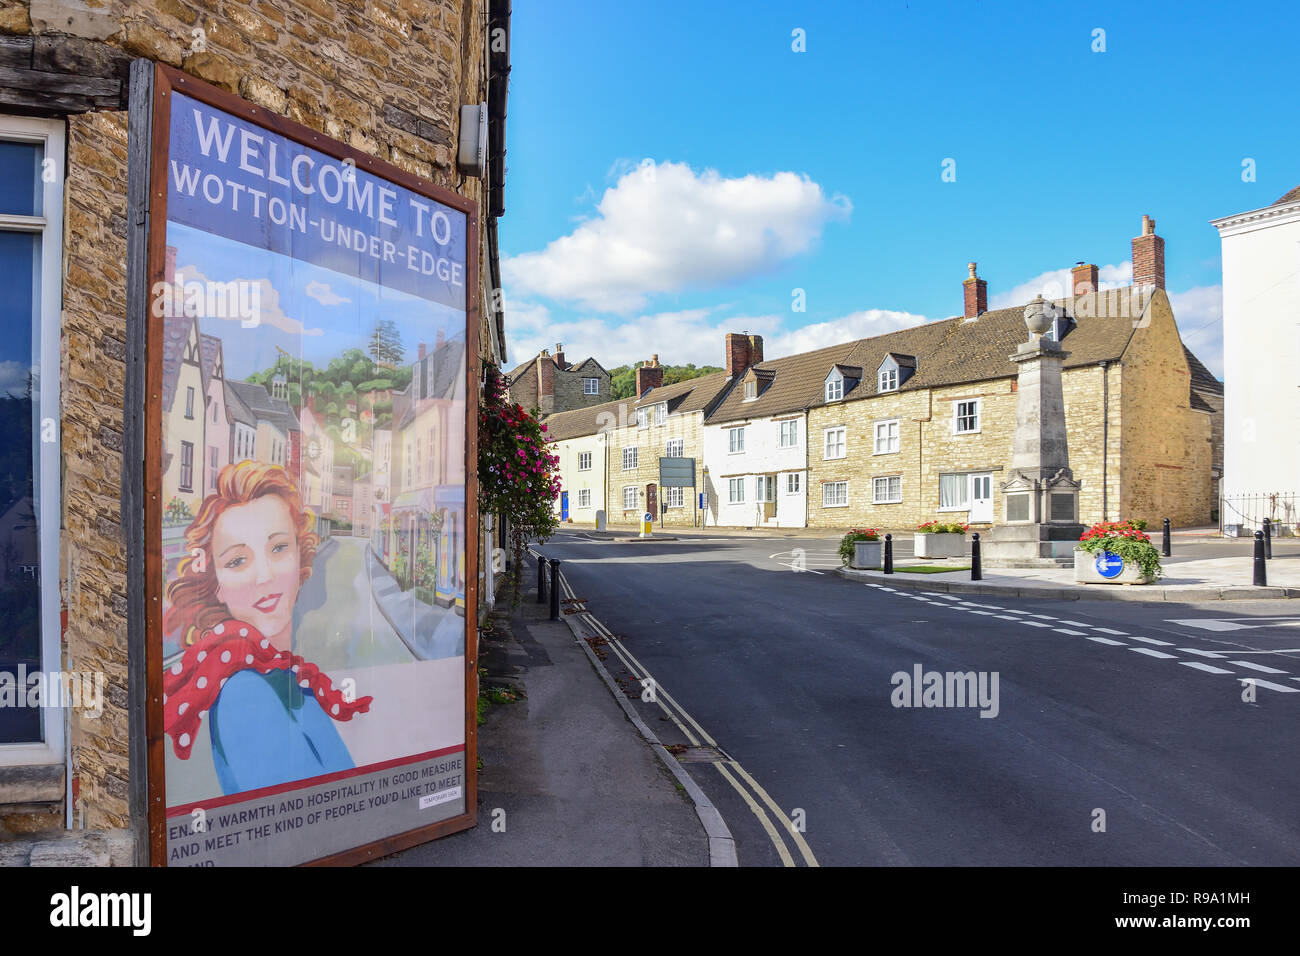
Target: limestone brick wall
(651,444)
(385,76)
(1166,447)
(1092,410)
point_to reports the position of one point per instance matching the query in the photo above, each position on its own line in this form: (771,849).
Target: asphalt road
(1125,733)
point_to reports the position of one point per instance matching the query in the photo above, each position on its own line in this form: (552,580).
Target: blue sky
(306,310)
(676,171)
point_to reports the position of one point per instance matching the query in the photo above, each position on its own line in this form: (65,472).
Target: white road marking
(1144,640)
(984,613)
(1043,617)
(1066,630)
(1007,617)
(1203,667)
(1258,667)
(1150,653)
(1106,630)
(1200,653)
(1240,624)
(1270,685)
(1033,623)
(1011,610)
(1076,623)
(1107,640)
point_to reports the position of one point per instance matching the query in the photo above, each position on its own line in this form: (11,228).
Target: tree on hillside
(386,343)
(622,380)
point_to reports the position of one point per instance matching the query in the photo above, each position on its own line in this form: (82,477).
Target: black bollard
(889,554)
(1261,569)
(555,589)
(1268,539)
(976,572)
(1166,541)
(541,580)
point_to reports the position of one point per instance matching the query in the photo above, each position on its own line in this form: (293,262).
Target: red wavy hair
(192,595)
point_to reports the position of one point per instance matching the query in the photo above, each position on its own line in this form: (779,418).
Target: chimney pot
(421,350)
(648,375)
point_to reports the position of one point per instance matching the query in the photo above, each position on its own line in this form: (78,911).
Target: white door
(981,498)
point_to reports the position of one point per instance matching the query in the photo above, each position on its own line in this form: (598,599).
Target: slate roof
(584,421)
(692,395)
(1202,378)
(795,385)
(258,400)
(1292,196)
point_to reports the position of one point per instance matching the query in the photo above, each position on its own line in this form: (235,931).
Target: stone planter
(1095,568)
(868,554)
(947,545)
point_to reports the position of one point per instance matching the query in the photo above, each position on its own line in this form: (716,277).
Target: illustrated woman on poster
(270,713)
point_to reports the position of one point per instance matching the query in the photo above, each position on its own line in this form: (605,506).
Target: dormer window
(751,390)
(894,371)
(888,380)
(1059,329)
(834,388)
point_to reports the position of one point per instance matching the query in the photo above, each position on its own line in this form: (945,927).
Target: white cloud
(267,298)
(695,336)
(13,378)
(1199,314)
(321,292)
(664,227)
(857,325)
(1056,283)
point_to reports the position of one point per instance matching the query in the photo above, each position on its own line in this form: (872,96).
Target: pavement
(566,779)
(431,633)
(1223,576)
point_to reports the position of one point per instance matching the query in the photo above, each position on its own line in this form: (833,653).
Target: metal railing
(1243,515)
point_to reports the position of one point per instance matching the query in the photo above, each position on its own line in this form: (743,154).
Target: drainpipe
(1105,439)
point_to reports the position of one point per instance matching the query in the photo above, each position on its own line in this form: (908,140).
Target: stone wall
(1166,446)
(568,388)
(651,444)
(385,76)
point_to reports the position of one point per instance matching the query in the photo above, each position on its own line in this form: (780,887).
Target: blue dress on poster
(265,732)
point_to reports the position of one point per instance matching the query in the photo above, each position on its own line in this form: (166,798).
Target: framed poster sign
(310,522)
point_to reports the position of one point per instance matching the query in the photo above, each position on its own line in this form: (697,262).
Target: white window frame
(635,497)
(584,497)
(661,413)
(643,418)
(679,444)
(735,485)
(751,390)
(826,486)
(736,440)
(47,492)
(887,380)
(826,443)
(584,461)
(897,437)
(635,456)
(591,386)
(793,483)
(957,416)
(674,498)
(791,440)
(887,499)
(834,389)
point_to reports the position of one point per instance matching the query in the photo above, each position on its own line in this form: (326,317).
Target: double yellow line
(728,767)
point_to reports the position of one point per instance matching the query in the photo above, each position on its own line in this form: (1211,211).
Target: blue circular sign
(1109,564)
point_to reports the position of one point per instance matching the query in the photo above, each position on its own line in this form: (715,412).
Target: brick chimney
(1085,278)
(743,350)
(1149,256)
(975,293)
(420,352)
(559,356)
(545,382)
(649,375)
(440,339)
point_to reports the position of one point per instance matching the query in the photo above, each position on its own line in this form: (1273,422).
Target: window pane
(952,491)
(20,639)
(20,179)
